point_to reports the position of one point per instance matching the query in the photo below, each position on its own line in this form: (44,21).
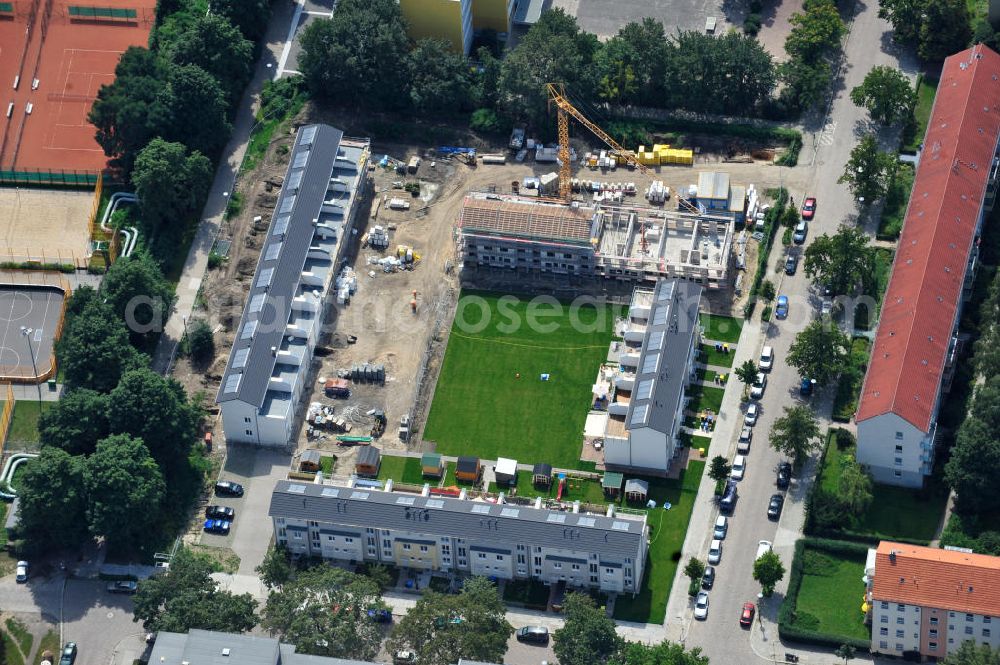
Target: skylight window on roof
(331,492)
(240,357)
(645,390)
(510,512)
(249,328)
(287,204)
(556,518)
(296,489)
(301,157)
(650,362)
(265,277)
(660,315)
(273,251)
(620,526)
(481,509)
(666,292)
(586,521)
(257,303)
(434,503)
(639,415)
(406,500)
(294,181)
(656,340)
(233,382)
(359,495)
(308,135)
(280,225)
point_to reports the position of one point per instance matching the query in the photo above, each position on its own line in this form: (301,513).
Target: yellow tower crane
(557,96)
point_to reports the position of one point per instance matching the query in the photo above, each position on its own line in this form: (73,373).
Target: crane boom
(565,109)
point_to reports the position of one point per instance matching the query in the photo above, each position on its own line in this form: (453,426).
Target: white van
(739,467)
(766,359)
(763,547)
(721,527)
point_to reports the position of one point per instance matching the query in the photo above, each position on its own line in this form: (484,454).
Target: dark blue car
(217,526)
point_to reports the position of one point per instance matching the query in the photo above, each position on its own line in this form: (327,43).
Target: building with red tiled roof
(929,600)
(932,272)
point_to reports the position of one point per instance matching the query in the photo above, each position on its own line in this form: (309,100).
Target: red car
(746,618)
(809,208)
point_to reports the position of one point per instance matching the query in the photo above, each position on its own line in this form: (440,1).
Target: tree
(747,374)
(825,511)
(588,636)
(664,653)
(841,262)
(945,29)
(171,183)
(796,433)
(187,597)
(631,66)
(805,82)
(428,630)
(216,45)
(971,470)
(439,77)
(198,108)
(767,291)
(887,95)
(815,32)
(138,294)
(276,568)
(201,342)
(869,171)
(904,15)
(124,489)
(76,422)
(155,409)
(820,352)
(719,469)
(768,571)
(854,487)
(52,500)
(845,651)
(487,79)
(250,16)
(324,612)
(694,569)
(131,110)
(970,653)
(356,55)
(94,349)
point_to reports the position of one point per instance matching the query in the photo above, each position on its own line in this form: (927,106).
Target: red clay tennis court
(62,52)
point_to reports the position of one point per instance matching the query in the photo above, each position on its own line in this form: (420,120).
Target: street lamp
(26,333)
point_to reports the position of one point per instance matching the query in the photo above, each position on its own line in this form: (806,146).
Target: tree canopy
(94,349)
(588,636)
(53,501)
(323,611)
(76,422)
(138,294)
(250,16)
(632,65)
(887,95)
(796,433)
(439,77)
(198,109)
(440,628)
(664,653)
(768,571)
(869,171)
(841,262)
(938,28)
(219,48)
(187,597)
(970,653)
(171,183)
(820,352)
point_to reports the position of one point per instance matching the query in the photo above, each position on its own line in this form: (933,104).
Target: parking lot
(605,18)
(311,10)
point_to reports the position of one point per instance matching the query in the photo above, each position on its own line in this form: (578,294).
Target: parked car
(809,207)
(220,513)
(217,526)
(774,506)
(743,443)
(806,387)
(721,527)
(781,309)
(123,586)
(404,658)
(21,572)
(757,389)
(701,606)
(715,552)
(739,467)
(799,236)
(784,475)
(791,264)
(708,579)
(746,616)
(729,496)
(766,359)
(751,415)
(68,656)
(380,615)
(763,547)
(228,488)
(533,634)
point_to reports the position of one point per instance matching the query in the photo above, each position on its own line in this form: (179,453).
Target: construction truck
(378,429)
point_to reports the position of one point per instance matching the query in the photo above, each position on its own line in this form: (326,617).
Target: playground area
(60,54)
(32,306)
(45,225)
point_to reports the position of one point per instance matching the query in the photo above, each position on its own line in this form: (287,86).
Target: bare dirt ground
(44,223)
(410,344)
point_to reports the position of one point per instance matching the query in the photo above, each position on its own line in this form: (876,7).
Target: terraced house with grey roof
(282,319)
(458,536)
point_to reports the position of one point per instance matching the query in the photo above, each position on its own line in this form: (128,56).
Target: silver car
(701,606)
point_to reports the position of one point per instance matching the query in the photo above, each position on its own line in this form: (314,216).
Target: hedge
(772,220)
(786,615)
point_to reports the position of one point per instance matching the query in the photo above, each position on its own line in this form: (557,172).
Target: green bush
(693,587)
(791,155)
(215,260)
(751,25)
(765,314)
(488,122)
(786,237)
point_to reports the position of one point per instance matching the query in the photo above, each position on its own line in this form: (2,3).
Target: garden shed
(467,469)
(636,490)
(506,471)
(431,465)
(541,474)
(612,483)
(368,462)
(309,461)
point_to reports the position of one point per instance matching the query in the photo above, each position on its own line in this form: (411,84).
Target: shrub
(765,314)
(215,260)
(786,237)
(201,343)
(791,155)
(751,25)
(487,121)
(767,290)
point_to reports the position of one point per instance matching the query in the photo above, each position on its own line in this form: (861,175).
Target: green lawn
(403,470)
(921,113)
(721,328)
(50,642)
(830,597)
(24,422)
(710,356)
(705,374)
(705,397)
(895,512)
(20,633)
(326,464)
(667,530)
(489,399)
(891,224)
(845,402)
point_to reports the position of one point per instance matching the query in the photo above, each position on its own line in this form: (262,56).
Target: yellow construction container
(450,20)
(662,153)
(677,156)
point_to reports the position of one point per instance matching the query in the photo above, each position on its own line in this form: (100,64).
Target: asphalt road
(827,149)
